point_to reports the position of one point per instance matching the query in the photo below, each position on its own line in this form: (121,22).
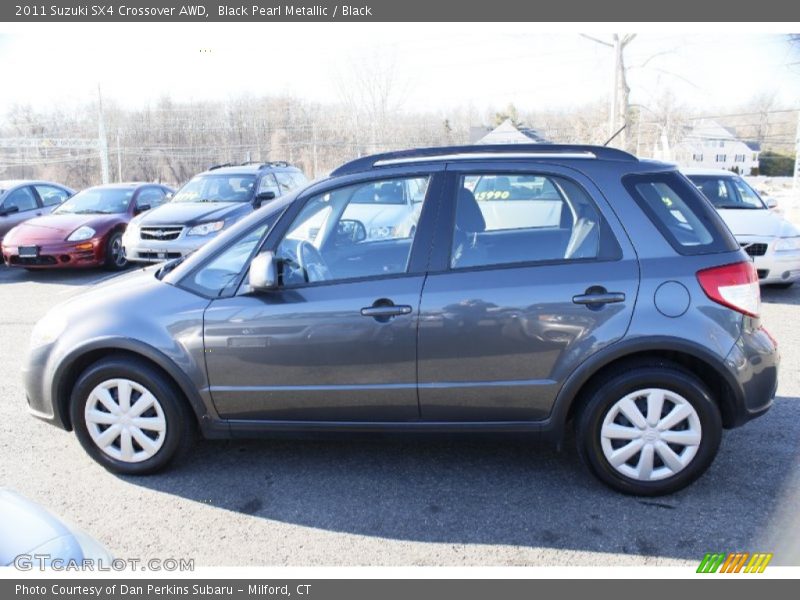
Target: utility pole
(796,182)
(620,91)
(102,139)
(119,160)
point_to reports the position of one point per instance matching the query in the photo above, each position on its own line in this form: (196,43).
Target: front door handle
(386,311)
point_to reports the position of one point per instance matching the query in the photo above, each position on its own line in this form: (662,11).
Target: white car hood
(762,223)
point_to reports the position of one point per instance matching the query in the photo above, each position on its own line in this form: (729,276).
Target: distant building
(505,133)
(710,145)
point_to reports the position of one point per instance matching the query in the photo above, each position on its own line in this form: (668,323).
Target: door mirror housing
(141,208)
(263,275)
(351,230)
(168,196)
(262,197)
(771,203)
(4,212)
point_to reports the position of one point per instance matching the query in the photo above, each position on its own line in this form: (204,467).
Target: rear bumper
(754,361)
(62,255)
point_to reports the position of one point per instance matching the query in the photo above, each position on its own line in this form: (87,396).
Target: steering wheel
(311,263)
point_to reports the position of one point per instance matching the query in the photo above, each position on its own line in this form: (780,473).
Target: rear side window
(681,213)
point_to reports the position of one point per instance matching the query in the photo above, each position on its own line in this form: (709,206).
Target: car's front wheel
(650,430)
(129,417)
(115,255)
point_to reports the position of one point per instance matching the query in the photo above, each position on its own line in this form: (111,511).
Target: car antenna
(616,133)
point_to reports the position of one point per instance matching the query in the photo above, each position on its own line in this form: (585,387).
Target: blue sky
(437,66)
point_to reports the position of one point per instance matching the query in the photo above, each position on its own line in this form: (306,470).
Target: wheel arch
(701,362)
(76,363)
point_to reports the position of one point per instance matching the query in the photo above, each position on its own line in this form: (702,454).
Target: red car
(84,231)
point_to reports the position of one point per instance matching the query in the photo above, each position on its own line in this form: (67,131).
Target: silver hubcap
(117,255)
(125,420)
(651,434)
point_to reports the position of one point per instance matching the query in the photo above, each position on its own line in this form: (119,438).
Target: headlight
(47,330)
(206,228)
(81,233)
(784,244)
(132,229)
(384,232)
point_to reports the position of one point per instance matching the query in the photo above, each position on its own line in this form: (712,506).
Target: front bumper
(155,251)
(38,388)
(772,266)
(61,255)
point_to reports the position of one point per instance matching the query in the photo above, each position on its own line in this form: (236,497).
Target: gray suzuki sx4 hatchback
(526,289)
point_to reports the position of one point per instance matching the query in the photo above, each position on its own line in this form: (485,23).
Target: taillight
(734,286)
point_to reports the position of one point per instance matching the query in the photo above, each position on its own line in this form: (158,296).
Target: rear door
(536,274)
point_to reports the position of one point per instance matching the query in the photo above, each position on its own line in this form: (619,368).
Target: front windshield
(728,192)
(104,201)
(217,188)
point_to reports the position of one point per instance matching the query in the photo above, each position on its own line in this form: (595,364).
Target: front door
(535,282)
(337,341)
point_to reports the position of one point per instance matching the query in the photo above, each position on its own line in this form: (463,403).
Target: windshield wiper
(168,267)
(737,206)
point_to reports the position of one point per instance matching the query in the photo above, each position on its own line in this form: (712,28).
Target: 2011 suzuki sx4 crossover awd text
(540,288)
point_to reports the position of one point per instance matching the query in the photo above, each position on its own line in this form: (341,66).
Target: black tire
(780,286)
(115,260)
(180,421)
(605,394)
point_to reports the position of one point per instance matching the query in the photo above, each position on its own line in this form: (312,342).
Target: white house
(710,145)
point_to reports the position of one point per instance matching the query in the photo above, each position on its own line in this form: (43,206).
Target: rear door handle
(599,298)
(385,311)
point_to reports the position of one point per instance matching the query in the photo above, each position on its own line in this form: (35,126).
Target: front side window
(21,199)
(222,272)
(519,218)
(339,235)
(217,188)
(103,201)
(286,182)
(679,211)
(51,195)
(151,197)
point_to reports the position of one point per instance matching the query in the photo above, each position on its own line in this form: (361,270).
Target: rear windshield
(685,218)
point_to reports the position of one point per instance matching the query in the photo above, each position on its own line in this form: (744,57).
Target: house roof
(507,133)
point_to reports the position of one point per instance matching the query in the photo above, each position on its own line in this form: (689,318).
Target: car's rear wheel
(129,417)
(650,430)
(115,255)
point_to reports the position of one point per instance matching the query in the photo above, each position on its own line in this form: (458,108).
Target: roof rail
(483,152)
(261,164)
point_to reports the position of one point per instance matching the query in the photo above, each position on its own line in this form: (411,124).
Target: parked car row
(45,225)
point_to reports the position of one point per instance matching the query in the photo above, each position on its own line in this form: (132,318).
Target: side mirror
(4,212)
(141,208)
(771,203)
(263,273)
(262,197)
(168,196)
(351,230)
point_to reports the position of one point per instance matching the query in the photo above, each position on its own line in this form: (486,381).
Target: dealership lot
(400,501)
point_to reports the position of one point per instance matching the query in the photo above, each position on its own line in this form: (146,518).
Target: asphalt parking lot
(401,501)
